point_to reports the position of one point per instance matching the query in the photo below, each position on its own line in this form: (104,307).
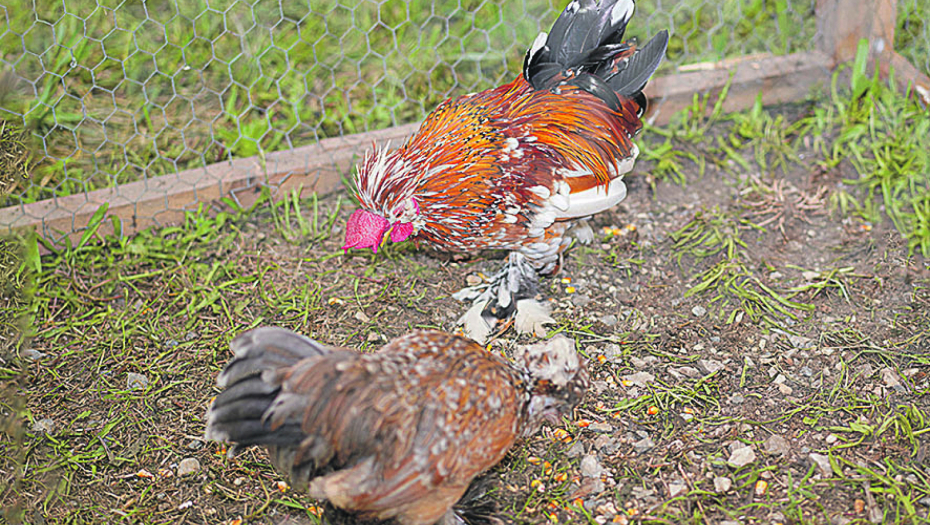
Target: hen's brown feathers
(395,434)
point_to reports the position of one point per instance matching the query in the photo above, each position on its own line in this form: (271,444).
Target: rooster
(520,167)
(394,435)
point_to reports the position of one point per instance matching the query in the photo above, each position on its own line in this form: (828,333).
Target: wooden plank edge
(163,200)
(906,75)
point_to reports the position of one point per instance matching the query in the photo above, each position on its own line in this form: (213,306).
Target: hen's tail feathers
(585,49)
(251,384)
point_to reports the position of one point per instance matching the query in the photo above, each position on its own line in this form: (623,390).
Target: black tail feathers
(251,386)
(585,49)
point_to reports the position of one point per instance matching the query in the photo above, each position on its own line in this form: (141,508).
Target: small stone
(644,445)
(709,366)
(785,389)
(613,352)
(776,444)
(45,425)
(591,467)
(831,439)
(722,484)
(607,444)
(601,426)
(676,488)
(33,354)
(689,371)
(362,316)
(188,466)
(822,462)
(609,320)
(136,381)
(736,399)
(810,275)
(373,337)
(699,311)
(741,457)
(799,341)
(577,449)
(640,379)
(473,280)
(890,378)
(581,300)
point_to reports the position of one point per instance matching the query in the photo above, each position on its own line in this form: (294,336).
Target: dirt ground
(733,405)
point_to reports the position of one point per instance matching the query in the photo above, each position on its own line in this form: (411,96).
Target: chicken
(397,434)
(520,167)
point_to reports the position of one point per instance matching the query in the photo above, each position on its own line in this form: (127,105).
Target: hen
(516,167)
(397,434)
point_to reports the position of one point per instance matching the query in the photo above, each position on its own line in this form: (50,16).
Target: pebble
(644,445)
(581,300)
(689,371)
(699,311)
(890,378)
(591,467)
(373,337)
(609,320)
(722,484)
(33,354)
(776,444)
(831,439)
(606,445)
(676,488)
(785,389)
(709,366)
(44,425)
(613,351)
(741,457)
(601,426)
(473,280)
(136,381)
(188,466)
(577,449)
(640,378)
(362,316)
(799,341)
(822,462)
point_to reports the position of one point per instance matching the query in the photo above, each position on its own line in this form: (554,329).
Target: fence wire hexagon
(118,91)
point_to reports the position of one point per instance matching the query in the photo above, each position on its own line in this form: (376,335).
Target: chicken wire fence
(113,92)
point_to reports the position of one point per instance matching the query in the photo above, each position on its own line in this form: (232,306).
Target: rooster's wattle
(519,167)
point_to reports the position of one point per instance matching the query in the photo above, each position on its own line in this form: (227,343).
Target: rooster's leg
(508,294)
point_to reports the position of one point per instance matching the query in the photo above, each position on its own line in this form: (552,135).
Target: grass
(112,93)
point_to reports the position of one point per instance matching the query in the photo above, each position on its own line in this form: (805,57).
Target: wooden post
(842,23)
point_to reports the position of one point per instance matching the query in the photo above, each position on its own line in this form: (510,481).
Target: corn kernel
(237,521)
(282,486)
(607,230)
(562,435)
(688,410)
(547,467)
(578,502)
(653,410)
(617,232)
(569,289)
(631,227)
(553,517)
(626,383)
(533,460)
(145,474)
(601,359)
(566,280)
(560,477)
(761,487)
(582,423)
(632,511)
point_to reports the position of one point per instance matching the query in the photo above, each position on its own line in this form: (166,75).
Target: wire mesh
(113,91)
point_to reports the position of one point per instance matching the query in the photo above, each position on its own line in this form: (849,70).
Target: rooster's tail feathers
(585,49)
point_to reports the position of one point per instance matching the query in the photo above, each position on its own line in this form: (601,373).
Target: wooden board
(319,168)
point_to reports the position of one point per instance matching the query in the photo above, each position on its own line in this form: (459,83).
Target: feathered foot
(509,294)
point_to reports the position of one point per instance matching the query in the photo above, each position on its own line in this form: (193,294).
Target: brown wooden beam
(319,167)
(842,23)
